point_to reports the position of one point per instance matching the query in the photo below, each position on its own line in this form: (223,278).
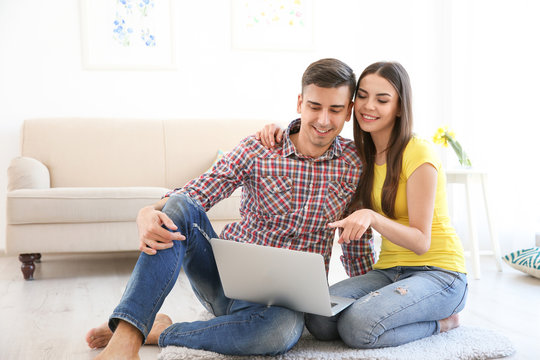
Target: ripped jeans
(394,306)
(239,328)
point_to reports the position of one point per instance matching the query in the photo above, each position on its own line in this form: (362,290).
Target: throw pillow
(218,157)
(27,173)
(526,260)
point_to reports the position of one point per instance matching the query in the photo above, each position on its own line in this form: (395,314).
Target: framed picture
(272,24)
(127,34)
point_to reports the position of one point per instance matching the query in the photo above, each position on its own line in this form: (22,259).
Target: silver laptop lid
(273,276)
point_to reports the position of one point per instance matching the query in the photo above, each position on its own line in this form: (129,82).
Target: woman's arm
(270,135)
(421,189)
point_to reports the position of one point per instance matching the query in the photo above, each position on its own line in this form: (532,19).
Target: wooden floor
(47,318)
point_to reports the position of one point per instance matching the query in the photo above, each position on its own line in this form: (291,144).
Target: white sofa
(79,183)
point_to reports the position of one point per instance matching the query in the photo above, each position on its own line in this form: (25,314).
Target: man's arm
(152,235)
(210,188)
(358,255)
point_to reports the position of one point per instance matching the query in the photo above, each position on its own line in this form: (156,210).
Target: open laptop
(274,276)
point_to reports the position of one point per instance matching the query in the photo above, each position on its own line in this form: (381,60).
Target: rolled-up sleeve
(358,255)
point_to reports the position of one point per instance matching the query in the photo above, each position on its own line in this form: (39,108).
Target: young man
(290,194)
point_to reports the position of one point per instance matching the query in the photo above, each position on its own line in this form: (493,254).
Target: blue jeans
(239,328)
(393,307)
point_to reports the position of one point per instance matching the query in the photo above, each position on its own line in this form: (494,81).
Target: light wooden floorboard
(47,318)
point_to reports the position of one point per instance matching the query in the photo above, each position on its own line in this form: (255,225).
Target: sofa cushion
(88,205)
(79,205)
(97,152)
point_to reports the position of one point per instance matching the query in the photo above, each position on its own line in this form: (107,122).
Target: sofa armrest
(27,173)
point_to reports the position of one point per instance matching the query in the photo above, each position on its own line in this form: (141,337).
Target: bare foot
(124,344)
(109,355)
(449,323)
(99,337)
(161,322)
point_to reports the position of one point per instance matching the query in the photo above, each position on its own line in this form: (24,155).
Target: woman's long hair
(401,134)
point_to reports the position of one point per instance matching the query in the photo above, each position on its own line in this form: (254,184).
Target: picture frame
(127,35)
(272,25)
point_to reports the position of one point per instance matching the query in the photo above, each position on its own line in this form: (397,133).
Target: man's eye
(335,110)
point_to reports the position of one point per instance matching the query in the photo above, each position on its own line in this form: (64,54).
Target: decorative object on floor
(526,260)
(444,136)
(461,343)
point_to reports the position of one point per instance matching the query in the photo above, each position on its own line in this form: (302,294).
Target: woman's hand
(354,225)
(270,135)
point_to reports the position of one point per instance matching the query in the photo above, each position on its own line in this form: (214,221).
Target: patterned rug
(461,343)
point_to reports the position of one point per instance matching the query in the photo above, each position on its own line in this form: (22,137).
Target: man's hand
(152,235)
(354,225)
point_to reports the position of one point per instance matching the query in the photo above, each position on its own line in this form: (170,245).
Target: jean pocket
(453,274)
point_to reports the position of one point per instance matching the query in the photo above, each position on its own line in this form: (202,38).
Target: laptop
(275,276)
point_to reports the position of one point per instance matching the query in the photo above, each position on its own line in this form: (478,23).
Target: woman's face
(376,105)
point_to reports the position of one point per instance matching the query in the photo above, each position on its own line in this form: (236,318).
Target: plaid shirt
(288,199)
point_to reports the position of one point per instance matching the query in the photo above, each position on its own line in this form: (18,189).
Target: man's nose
(324,119)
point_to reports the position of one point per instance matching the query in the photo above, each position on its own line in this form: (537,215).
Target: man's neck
(310,151)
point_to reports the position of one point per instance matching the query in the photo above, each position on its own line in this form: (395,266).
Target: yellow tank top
(445,251)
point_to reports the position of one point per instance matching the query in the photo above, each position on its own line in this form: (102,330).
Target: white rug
(461,343)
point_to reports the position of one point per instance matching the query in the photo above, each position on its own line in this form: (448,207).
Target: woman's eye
(383,101)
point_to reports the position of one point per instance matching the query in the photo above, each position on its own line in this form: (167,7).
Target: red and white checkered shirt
(288,199)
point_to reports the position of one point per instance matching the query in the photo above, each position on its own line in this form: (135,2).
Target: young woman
(418,285)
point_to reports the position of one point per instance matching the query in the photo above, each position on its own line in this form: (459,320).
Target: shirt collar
(334,151)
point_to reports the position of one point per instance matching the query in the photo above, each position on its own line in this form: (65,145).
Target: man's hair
(329,73)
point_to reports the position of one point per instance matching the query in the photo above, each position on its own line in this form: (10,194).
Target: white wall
(41,75)
(495,92)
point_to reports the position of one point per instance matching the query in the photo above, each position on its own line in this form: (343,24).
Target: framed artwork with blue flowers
(127,35)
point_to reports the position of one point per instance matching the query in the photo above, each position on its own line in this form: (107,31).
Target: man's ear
(349,111)
(299,104)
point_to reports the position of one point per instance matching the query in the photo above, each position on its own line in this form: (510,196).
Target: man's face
(323,113)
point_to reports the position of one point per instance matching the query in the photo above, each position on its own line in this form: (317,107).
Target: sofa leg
(27,266)
(37,257)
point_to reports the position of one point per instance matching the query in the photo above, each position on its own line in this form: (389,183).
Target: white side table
(469,177)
